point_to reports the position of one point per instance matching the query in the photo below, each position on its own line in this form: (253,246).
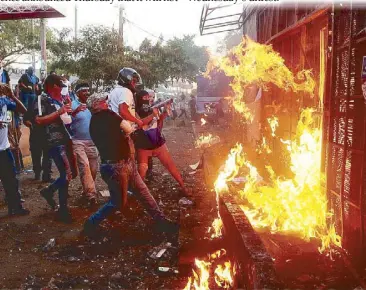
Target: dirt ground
(119,258)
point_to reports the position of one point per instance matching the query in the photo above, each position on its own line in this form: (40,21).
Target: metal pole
(33,52)
(76,22)
(120,30)
(43,46)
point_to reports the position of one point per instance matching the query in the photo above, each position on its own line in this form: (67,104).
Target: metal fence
(329,39)
(345,127)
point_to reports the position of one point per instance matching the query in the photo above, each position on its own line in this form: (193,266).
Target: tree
(19,37)
(96,57)
(185,60)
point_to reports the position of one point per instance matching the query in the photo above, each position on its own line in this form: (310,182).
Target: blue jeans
(9,179)
(119,177)
(59,156)
(28,100)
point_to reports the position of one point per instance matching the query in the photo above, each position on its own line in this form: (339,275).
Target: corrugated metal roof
(15,11)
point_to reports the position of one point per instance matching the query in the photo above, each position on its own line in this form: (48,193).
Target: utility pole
(120,30)
(33,52)
(76,22)
(43,47)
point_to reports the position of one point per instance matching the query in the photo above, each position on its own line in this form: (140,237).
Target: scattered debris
(105,193)
(51,284)
(158,251)
(185,201)
(73,259)
(167,270)
(196,165)
(50,244)
(116,276)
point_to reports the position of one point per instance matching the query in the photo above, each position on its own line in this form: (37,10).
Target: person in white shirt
(121,101)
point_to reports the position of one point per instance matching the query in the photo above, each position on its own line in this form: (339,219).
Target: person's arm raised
(51,118)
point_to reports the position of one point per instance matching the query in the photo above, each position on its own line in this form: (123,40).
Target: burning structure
(304,86)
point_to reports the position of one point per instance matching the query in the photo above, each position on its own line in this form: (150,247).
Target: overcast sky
(169,19)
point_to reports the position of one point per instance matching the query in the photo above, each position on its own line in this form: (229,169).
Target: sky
(152,18)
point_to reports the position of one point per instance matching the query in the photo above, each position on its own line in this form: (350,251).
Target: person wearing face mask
(5,79)
(28,85)
(82,144)
(50,112)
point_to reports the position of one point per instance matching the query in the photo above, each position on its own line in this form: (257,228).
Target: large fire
(296,205)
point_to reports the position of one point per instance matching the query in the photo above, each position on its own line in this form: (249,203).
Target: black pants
(9,180)
(40,157)
(18,158)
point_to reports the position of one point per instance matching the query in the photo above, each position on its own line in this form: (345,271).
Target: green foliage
(96,57)
(18,37)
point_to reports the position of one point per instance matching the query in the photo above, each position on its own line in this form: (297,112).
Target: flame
(218,254)
(252,63)
(207,141)
(231,169)
(201,280)
(273,123)
(297,205)
(263,147)
(223,273)
(203,122)
(223,276)
(217,226)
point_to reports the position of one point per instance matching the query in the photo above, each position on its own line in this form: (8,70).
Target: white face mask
(64,91)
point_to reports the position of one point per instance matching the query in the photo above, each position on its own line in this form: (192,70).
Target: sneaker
(89,229)
(21,211)
(48,197)
(64,216)
(166,226)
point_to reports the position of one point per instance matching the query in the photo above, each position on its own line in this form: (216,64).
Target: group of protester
(78,131)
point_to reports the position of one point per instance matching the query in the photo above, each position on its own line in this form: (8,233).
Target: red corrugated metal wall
(346,131)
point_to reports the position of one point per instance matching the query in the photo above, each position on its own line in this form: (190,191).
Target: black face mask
(143,107)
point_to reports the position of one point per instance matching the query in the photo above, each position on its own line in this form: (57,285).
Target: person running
(9,102)
(151,143)
(51,113)
(83,146)
(118,168)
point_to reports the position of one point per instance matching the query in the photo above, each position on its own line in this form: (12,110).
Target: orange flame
(273,123)
(263,147)
(254,63)
(297,205)
(223,275)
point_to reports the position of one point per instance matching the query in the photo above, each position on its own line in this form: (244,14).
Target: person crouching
(118,168)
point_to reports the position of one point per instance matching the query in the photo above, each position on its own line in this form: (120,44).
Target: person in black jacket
(118,168)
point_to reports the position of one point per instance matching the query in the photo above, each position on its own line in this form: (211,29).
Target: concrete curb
(254,266)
